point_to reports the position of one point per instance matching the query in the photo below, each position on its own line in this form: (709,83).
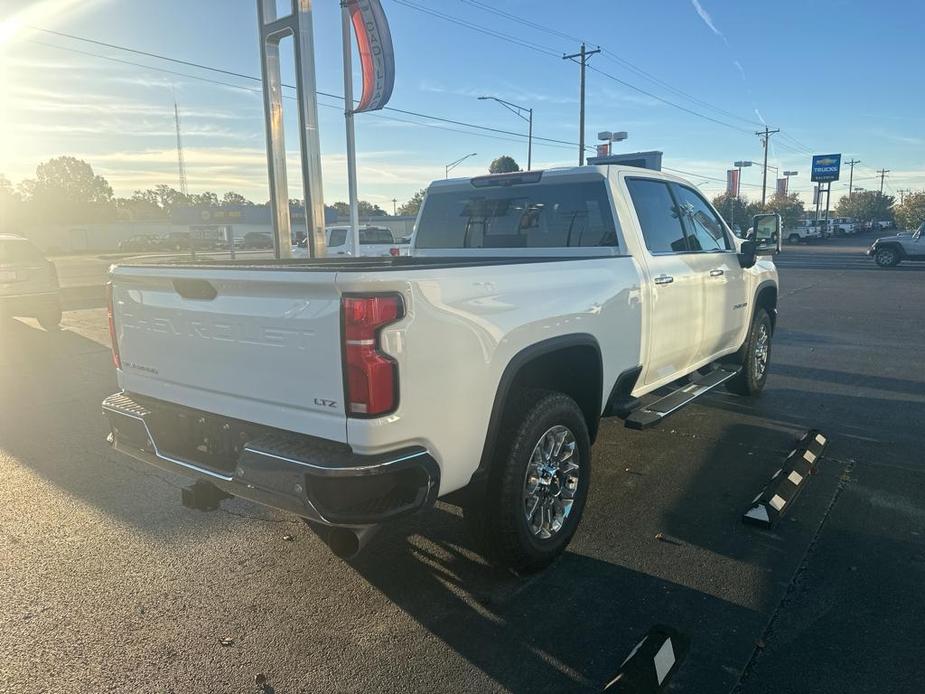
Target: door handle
(717,273)
(664,279)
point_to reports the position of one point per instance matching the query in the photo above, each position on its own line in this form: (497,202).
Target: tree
(789,207)
(368,209)
(162,196)
(911,213)
(65,189)
(410,208)
(732,209)
(232,198)
(866,206)
(206,199)
(364,208)
(9,205)
(503,164)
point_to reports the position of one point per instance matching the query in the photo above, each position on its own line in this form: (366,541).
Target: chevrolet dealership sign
(826,167)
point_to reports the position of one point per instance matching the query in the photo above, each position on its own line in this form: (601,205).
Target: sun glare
(20,24)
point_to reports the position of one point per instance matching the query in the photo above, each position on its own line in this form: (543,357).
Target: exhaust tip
(343,542)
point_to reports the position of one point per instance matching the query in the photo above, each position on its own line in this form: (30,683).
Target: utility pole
(883,173)
(851,175)
(902,195)
(765,136)
(394,207)
(583,56)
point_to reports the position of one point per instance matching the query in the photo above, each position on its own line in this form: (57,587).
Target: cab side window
(704,228)
(658,216)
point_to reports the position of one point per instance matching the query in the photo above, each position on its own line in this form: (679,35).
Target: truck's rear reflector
(371,377)
(116,358)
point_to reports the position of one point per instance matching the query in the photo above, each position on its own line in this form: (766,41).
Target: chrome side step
(653,413)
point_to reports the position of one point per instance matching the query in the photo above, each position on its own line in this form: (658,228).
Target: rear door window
(658,216)
(542,215)
(13,251)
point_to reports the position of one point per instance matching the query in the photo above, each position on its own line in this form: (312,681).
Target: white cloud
(707,19)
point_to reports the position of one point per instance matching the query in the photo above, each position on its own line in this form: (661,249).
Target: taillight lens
(394,252)
(116,359)
(371,376)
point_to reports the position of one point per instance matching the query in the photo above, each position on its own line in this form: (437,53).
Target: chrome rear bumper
(317,479)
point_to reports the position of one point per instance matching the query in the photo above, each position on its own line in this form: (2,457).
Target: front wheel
(538,484)
(886,257)
(756,359)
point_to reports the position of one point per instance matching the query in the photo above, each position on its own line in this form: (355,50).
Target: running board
(653,413)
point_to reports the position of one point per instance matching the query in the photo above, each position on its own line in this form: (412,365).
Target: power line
(253,78)
(477,27)
(666,101)
(608,54)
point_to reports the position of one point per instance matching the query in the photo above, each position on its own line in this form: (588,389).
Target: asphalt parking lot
(110,585)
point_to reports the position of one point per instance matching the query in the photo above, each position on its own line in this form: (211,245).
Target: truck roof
(565,172)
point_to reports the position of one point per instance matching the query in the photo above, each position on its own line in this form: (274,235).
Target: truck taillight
(116,359)
(371,377)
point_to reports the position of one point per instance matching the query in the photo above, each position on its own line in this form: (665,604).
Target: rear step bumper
(317,479)
(655,412)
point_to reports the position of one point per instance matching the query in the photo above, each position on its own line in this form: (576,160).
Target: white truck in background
(374,241)
(352,391)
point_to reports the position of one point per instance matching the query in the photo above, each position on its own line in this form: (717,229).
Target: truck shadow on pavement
(565,629)
(51,387)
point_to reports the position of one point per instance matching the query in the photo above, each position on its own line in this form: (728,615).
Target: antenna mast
(180,162)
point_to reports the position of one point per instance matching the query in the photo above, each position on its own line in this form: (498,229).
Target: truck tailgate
(262,346)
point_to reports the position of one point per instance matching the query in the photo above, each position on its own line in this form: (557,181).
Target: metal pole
(530,143)
(298,25)
(764,179)
(581,118)
(276,143)
(583,56)
(312,185)
(828,191)
(347,34)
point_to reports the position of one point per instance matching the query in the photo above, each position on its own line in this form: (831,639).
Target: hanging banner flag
(603,150)
(377,59)
(732,182)
(782,186)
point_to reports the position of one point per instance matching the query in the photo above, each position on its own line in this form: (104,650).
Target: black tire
(886,256)
(497,518)
(794,238)
(50,318)
(751,379)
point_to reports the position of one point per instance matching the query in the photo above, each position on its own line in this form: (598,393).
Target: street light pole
(453,164)
(611,137)
(519,112)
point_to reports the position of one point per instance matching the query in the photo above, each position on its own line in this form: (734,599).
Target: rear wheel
(756,358)
(886,257)
(538,483)
(794,238)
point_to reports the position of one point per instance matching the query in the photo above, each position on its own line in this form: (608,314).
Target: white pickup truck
(352,391)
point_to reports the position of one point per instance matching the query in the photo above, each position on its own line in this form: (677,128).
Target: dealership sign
(826,167)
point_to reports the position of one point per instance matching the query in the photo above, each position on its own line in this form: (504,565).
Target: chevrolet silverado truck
(353,391)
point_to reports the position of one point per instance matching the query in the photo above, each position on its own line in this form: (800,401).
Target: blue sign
(826,167)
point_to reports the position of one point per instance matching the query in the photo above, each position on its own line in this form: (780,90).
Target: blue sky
(834,75)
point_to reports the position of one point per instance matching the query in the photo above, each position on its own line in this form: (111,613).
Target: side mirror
(748,254)
(768,234)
